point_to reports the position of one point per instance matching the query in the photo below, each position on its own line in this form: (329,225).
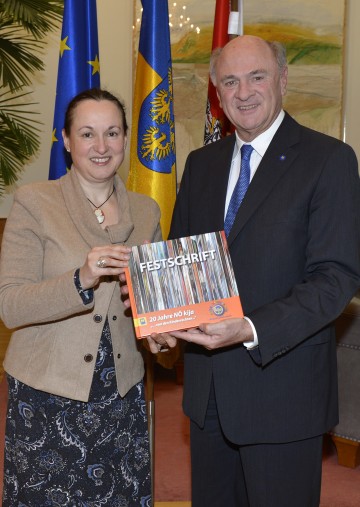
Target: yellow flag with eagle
(152,165)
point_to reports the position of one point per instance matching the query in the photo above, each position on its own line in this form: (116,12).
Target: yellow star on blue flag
(95,65)
(78,70)
(64,46)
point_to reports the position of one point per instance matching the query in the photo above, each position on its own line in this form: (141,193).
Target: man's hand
(220,334)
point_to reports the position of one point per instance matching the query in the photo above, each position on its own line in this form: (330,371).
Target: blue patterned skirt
(62,452)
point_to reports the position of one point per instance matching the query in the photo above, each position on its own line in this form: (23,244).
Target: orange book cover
(182,283)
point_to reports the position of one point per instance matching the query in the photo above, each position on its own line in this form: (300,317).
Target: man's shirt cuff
(255,343)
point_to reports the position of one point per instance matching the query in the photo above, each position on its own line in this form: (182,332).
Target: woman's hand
(101,261)
(124,291)
(161,342)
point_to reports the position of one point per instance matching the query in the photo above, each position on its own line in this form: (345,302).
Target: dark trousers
(264,475)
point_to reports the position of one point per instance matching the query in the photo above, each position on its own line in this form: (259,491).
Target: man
(261,391)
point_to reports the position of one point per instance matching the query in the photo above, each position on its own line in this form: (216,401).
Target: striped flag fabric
(78,70)
(216,123)
(153,162)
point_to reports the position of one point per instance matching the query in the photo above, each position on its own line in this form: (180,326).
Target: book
(181,283)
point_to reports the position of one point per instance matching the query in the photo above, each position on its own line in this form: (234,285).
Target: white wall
(115,18)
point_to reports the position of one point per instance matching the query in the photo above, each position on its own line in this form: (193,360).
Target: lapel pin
(282,158)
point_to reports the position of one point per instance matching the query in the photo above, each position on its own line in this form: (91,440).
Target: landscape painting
(313,34)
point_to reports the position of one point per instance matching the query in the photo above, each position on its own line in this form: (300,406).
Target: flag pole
(149,361)
(236,22)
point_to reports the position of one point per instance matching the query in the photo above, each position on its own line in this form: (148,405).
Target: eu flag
(79,69)
(152,166)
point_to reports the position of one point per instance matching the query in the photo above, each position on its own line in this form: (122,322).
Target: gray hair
(278,50)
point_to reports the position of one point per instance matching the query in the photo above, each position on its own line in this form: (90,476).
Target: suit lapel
(277,160)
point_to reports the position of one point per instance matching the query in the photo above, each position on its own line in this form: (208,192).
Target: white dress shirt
(260,145)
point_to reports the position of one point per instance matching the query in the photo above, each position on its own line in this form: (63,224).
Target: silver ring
(101,263)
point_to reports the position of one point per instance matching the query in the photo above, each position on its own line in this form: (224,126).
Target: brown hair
(92,94)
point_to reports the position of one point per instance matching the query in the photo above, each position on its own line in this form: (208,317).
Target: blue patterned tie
(240,187)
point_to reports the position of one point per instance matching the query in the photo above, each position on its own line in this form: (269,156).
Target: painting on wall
(313,34)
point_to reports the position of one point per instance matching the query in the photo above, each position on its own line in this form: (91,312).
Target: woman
(76,430)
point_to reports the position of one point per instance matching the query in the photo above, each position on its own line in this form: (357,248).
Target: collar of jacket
(85,220)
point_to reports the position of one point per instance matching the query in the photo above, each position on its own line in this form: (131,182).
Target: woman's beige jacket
(50,230)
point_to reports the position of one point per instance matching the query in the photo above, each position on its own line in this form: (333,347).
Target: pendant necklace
(98,211)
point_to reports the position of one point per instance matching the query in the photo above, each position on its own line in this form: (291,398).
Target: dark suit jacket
(296,253)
